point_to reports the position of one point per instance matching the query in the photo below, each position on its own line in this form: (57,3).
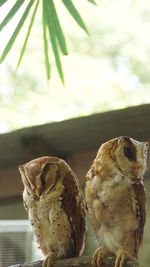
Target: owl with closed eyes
(56,209)
(116,199)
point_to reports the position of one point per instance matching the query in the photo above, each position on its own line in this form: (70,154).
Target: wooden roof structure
(75,140)
(73,136)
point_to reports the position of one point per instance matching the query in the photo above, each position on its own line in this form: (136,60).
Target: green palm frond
(75,14)
(11,13)
(44,22)
(17,30)
(52,30)
(2,2)
(57,28)
(52,34)
(28,33)
(92,1)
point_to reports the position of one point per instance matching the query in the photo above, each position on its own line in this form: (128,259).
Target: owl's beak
(21,167)
(38,193)
(146,144)
(145,147)
(27,182)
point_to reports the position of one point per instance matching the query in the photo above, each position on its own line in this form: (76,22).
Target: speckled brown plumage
(141,214)
(116,199)
(73,206)
(55,206)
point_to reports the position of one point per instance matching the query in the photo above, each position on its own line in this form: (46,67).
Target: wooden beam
(73,136)
(84,261)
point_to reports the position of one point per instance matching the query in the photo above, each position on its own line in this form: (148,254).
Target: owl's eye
(128,152)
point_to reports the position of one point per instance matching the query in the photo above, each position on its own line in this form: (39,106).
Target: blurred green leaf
(92,1)
(17,30)
(47,62)
(58,29)
(11,13)
(52,34)
(2,2)
(75,14)
(28,33)
(50,22)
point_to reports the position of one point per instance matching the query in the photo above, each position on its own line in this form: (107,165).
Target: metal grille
(16,242)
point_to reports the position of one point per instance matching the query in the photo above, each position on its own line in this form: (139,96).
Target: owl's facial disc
(142,150)
(39,177)
(49,176)
(131,157)
(27,182)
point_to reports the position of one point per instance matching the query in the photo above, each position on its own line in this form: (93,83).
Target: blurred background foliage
(105,70)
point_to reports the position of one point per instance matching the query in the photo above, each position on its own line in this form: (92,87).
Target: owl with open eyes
(116,200)
(55,206)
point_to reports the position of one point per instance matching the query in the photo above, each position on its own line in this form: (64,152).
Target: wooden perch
(84,261)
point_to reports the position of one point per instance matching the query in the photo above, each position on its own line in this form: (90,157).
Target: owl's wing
(74,207)
(25,200)
(140,194)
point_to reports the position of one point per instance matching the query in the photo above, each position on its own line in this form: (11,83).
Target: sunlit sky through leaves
(104,71)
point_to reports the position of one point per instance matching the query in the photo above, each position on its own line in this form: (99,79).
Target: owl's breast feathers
(116,208)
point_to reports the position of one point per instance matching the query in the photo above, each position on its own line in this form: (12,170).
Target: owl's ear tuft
(21,168)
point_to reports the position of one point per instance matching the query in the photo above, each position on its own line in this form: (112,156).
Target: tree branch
(84,261)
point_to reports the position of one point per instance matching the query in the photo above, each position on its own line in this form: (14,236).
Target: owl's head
(128,155)
(42,174)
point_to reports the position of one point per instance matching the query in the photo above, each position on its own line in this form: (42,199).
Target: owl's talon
(49,260)
(122,256)
(98,256)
